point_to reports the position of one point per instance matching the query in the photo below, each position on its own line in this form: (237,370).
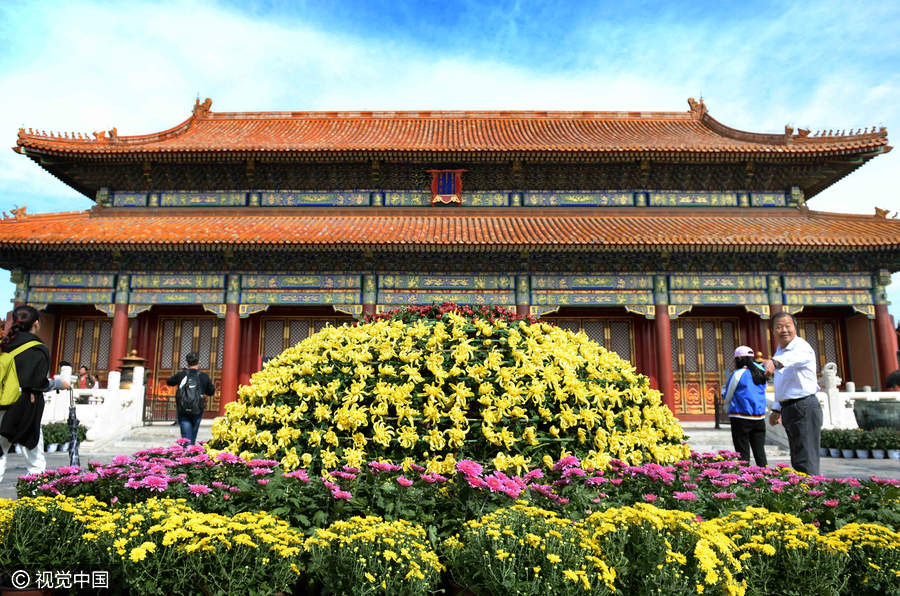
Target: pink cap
(743,351)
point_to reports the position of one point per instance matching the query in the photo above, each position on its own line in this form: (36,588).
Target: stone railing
(837,405)
(108,414)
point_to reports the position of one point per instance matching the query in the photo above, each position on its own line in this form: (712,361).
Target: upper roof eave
(694,131)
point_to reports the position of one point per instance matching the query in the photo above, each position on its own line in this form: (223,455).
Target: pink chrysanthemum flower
(199,489)
(157,483)
(469,467)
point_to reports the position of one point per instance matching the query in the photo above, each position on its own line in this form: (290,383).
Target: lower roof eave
(430,247)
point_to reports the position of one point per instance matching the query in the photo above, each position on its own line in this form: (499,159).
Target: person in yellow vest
(20,422)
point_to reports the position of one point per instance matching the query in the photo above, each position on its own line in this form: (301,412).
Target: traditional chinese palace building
(666,236)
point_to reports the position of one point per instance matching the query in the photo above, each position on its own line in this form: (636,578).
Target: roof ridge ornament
(201,110)
(17,213)
(698,108)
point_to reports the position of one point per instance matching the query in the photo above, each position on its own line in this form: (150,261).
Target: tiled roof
(694,131)
(453,229)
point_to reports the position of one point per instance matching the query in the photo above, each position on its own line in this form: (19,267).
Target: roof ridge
(451,114)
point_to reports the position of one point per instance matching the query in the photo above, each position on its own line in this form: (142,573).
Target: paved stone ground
(703,436)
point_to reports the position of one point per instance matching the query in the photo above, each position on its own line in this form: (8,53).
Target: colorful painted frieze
(191,198)
(301,297)
(826,298)
(487,297)
(49,296)
(273,198)
(716,297)
(446,282)
(129,199)
(289,282)
(485,199)
(827,282)
(768,199)
(177,296)
(407,198)
(717,282)
(591,282)
(573,199)
(176,281)
(591,298)
(692,199)
(70,280)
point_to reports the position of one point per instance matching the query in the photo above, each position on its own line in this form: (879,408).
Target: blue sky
(86,66)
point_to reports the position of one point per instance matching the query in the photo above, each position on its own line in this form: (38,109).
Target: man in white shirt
(794,370)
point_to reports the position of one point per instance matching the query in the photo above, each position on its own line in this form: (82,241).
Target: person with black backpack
(190,397)
(20,418)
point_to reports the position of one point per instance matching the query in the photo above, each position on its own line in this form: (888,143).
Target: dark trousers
(189,426)
(802,420)
(747,435)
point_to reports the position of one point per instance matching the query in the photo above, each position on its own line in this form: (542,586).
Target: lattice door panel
(613,334)
(702,352)
(278,334)
(86,341)
(175,337)
(824,335)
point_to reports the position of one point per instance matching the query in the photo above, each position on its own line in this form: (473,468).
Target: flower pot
(64,446)
(862,453)
(823,451)
(893,453)
(19,449)
(834,452)
(848,453)
(878,454)
(51,447)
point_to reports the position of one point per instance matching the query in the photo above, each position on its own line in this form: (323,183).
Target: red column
(368,309)
(774,309)
(664,355)
(119,339)
(230,357)
(523,310)
(887,355)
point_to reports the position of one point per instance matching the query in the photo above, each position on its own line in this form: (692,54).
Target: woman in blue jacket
(744,396)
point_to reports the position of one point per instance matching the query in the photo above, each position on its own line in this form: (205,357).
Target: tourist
(20,423)
(892,382)
(794,370)
(85,379)
(189,381)
(744,396)
(59,382)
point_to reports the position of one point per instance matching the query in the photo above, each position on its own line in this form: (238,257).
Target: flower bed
(449,448)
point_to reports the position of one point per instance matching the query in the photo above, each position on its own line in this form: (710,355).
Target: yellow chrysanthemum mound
(446,385)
